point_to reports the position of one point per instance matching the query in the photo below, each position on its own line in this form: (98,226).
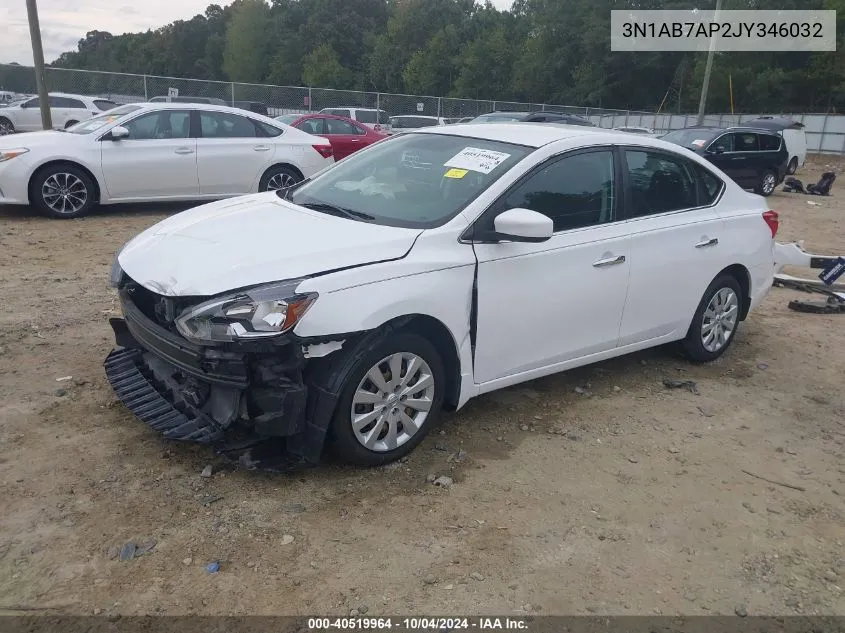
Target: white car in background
(377,120)
(156,152)
(65,110)
(422,272)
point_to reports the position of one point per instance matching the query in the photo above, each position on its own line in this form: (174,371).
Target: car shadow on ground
(19,211)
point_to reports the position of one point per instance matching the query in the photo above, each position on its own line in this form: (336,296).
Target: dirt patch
(623,497)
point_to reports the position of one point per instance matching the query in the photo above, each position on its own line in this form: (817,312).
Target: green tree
(431,70)
(245,53)
(321,68)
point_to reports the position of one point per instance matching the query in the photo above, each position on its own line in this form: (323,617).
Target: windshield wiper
(285,192)
(339,211)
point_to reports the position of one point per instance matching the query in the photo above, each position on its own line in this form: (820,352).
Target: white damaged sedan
(421,272)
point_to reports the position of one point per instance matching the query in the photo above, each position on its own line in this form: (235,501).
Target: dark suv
(754,158)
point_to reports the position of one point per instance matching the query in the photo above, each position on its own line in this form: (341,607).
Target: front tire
(279,177)
(792,167)
(6,126)
(767,184)
(63,192)
(715,321)
(70,123)
(392,397)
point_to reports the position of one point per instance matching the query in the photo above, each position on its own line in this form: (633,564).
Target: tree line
(540,51)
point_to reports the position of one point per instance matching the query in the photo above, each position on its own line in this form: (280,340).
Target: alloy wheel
(719,320)
(64,193)
(769,183)
(392,402)
(280,181)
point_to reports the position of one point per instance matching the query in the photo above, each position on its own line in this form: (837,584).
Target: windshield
(500,117)
(694,138)
(288,119)
(413,180)
(95,123)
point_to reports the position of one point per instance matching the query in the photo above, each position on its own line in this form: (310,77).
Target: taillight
(325,151)
(771,218)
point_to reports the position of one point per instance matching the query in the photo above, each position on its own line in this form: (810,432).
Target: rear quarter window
(710,186)
(769,142)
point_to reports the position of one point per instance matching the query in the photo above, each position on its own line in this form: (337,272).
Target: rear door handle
(261,148)
(610,261)
(706,243)
(184,150)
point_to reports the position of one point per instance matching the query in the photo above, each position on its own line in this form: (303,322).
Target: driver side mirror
(523,225)
(118,132)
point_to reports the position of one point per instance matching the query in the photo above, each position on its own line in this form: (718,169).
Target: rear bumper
(251,405)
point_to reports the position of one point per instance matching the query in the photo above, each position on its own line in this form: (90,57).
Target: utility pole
(38,62)
(706,83)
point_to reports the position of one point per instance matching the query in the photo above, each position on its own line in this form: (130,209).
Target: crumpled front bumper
(250,403)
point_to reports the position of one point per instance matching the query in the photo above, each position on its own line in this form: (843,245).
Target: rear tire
(62,192)
(715,321)
(6,126)
(70,123)
(768,183)
(792,167)
(278,177)
(409,401)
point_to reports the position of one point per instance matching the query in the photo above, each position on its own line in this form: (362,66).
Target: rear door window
(366,116)
(339,126)
(745,142)
(659,183)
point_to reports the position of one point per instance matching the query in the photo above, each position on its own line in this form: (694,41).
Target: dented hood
(252,240)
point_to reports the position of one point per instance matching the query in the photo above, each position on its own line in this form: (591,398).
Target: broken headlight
(116,271)
(257,313)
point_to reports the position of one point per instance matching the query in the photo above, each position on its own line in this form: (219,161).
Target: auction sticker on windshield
(475,159)
(455,173)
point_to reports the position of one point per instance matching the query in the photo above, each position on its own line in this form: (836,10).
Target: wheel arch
(72,163)
(743,278)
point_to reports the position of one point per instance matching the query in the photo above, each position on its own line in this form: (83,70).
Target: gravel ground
(620,497)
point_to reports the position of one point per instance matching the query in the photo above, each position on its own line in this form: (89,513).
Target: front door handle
(706,243)
(261,148)
(184,150)
(610,261)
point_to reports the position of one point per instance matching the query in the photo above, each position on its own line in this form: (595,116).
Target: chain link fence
(825,132)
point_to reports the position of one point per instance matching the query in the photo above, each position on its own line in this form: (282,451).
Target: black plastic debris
(833,305)
(689,385)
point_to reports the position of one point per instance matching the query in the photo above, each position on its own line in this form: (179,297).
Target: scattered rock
(64,378)
(477,576)
(291,507)
(707,412)
(207,500)
(187,561)
(145,547)
(113,552)
(459,457)
(429,579)
(524,427)
(500,439)
(762,366)
(573,437)
(97,611)
(449,587)
(287,539)
(430,478)
(749,507)
(793,602)
(741,611)
(363,609)
(633,460)
(61,393)
(591,609)
(617,389)
(771,510)
(581,391)
(643,362)
(443,481)
(207,472)
(831,576)
(527,607)
(127,552)
(354,613)
(674,450)
(440,446)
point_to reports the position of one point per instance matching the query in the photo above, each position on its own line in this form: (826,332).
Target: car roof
(351,108)
(535,134)
(414,116)
(75,96)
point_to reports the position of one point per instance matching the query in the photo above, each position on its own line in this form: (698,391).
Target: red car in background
(345,135)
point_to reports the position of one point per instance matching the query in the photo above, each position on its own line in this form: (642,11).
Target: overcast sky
(64,23)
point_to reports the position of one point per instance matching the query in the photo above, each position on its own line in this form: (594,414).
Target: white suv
(66,110)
